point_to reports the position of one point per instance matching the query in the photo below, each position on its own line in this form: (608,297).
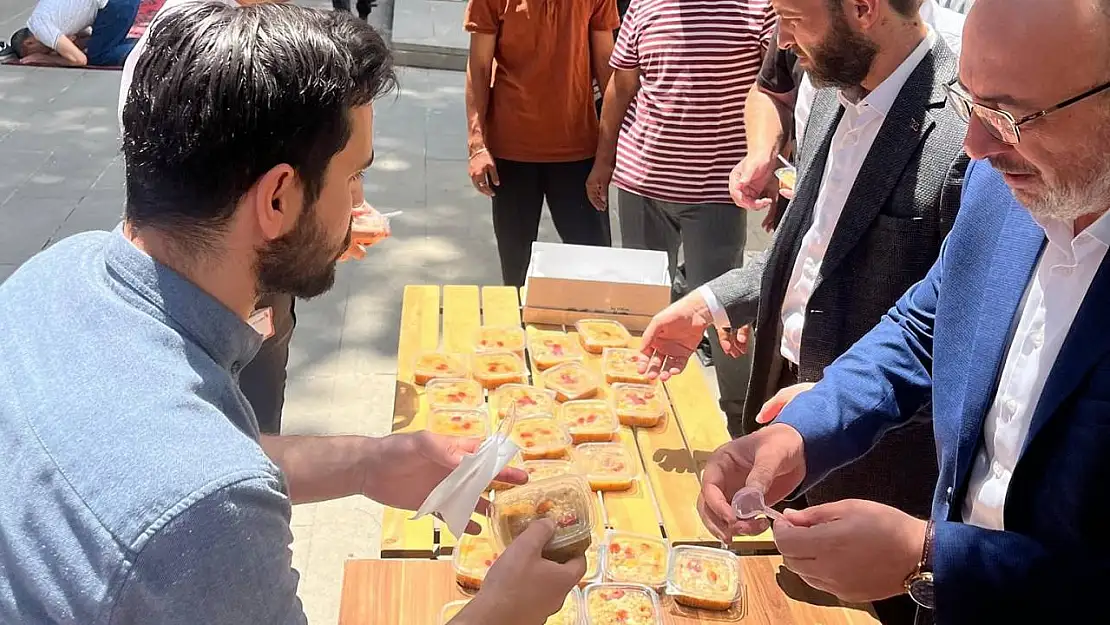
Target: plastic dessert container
(472,558)
(570,381)
(451,610)
(552,348)
(638,404)
(493,369)
(500,339)
(636,559)
(607,466)
(788,177)
(432,365)
(571,612)
(530,400)
(541,438)
(622,365)
(454,393)
(566,500)
(704,578)
(542,469)
(622,604)
(597,334)
(593,564)
(459,422)
(589,420)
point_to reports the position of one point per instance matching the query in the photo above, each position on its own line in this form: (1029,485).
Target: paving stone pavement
(61,173)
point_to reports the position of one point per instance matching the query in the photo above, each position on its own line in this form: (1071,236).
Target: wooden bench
(672,454)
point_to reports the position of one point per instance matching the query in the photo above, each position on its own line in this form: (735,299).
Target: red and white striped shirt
(684,132)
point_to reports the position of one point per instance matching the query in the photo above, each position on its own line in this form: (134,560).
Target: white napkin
(457,495)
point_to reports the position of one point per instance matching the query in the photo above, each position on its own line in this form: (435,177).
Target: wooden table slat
(419,332)
(703,429)
(412,592)
(500,306)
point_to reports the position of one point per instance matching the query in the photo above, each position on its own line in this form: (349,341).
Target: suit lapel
(902,132)
(799,214)
(1086,343)
(1015,256)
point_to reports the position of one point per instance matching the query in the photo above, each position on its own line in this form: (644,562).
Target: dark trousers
(108,45)
(362,6)
(518,205)
(263,380)
(711,238)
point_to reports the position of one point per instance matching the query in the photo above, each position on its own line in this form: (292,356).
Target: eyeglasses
(1001,124)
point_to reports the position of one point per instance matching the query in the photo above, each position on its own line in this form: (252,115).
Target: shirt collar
(180,304)
(1061,234)
(881,100)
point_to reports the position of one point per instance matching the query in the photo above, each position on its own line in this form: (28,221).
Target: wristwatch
(919,584)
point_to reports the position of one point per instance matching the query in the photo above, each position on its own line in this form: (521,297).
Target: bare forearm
(477,104)
(601,48)
(614,106)
(763,124)
(70,52)
(318,468)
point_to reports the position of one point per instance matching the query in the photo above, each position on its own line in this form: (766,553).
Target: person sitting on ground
(52,35)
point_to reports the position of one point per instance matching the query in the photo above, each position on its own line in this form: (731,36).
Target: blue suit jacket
(946,339)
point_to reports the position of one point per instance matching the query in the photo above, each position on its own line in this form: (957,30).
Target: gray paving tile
(27,224)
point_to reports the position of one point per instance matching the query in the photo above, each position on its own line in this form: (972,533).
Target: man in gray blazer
(880,171)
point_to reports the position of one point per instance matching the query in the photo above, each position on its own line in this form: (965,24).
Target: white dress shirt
(851,143)
(948,23)
(1058,286)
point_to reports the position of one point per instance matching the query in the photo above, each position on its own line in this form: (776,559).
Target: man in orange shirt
(532,121)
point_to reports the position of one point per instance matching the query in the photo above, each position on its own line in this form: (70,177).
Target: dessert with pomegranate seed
(638,404)
(551,348)
(493,369)
(589,420)
(597,334)
(530,400)
(454,393)
(459,422)
(636,559)
(473,557)
(566,500)
(543,469)
(607,466)
(622,604)
(500,339)
(540,438)
(432,365)
(622,365)
(570,613)
(703,577)
(570,381)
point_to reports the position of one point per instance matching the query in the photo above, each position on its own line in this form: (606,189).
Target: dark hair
(18,38)
(223,94)
(905,8)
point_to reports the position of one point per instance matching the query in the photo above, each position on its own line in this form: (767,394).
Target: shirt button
(948,495)
(1038,338)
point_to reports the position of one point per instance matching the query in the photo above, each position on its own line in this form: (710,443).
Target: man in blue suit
(1007,336)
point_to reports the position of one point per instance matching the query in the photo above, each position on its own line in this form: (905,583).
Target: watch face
(922,593)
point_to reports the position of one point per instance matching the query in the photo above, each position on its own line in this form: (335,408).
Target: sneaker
(7,53)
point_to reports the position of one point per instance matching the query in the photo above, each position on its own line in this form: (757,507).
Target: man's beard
(300,263)
(843,59)
(1085,191)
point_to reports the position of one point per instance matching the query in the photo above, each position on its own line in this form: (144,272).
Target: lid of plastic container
(540,433)
(571,378)
(589,415)
(470,422)
(611,332)
(454,392)
(499,338)
(636,558)
(543,469)
(566,499)
(605,461)
(704,572)
(465,559)
(603,601)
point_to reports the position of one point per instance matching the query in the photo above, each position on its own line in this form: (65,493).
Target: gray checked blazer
(902,205)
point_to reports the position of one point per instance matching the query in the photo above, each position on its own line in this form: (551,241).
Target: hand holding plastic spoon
(748,504)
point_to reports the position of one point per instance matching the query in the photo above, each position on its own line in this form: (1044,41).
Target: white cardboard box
(566,283)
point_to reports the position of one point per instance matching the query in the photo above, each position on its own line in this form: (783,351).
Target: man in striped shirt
(672,127)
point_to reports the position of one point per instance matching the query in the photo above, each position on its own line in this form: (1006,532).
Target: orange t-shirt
(541,106)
